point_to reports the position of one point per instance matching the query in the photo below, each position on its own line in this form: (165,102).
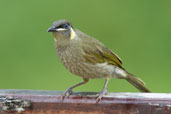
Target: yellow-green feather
(95,52)
(99,54)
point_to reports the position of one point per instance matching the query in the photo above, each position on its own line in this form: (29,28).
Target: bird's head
(62,29)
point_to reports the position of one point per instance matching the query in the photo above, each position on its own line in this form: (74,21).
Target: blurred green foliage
(139,31)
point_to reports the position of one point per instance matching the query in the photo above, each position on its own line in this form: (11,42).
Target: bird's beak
(51,29)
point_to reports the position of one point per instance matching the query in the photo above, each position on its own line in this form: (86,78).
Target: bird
(88,58)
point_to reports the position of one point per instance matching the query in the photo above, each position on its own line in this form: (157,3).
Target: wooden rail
(49,102)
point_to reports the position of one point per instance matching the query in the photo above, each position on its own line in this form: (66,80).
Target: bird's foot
(66,93)
(100,95)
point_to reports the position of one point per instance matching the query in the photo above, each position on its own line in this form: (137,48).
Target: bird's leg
(69,90)
(103,92)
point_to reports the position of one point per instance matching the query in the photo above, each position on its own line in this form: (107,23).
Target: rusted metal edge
(49,102)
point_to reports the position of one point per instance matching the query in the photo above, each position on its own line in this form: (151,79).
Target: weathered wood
(49,102)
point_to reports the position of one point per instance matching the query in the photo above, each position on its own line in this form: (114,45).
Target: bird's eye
(65,26)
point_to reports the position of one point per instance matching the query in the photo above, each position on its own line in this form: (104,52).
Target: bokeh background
(139,31)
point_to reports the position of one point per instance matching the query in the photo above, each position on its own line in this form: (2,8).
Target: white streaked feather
(61,29)
(119,73)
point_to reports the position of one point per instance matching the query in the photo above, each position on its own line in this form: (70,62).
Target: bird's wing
(95,52)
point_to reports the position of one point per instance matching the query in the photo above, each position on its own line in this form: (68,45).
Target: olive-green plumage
(88,58)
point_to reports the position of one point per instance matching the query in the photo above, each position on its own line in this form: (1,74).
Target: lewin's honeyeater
(86,57)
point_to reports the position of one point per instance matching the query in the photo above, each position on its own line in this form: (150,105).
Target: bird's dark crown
(61,23)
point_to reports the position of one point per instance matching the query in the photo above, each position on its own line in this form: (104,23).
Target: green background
(139,31)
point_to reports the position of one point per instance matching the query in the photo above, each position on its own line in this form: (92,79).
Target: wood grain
(49,102)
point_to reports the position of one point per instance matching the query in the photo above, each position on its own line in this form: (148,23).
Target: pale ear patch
(72,34)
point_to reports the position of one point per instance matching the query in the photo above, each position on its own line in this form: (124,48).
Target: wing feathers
(100,55)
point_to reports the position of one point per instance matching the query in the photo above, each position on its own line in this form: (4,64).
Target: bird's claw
(102,94)
(66,93)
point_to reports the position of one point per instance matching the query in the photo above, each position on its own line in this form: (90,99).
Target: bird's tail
(137,82)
